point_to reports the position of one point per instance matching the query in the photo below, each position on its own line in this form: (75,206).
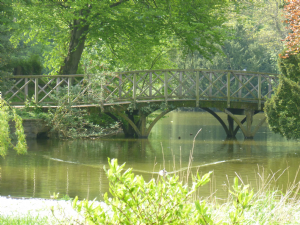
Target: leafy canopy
(134,33)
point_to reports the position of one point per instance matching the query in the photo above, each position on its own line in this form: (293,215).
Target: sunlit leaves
(135,201)
(7,114)
(134,34)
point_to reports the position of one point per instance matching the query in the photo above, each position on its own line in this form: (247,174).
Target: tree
(238,53)
(254,42)
(6,48)
(292,14)
(131,29)
(282,109)
(22,60)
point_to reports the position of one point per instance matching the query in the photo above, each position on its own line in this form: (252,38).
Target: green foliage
(31,65)
(54,195)
(165,201)
(241,201)
(70,122)
(6,48)
(7,114)
(135,34)
(136,201)
(290,67)
(238,53)
(282,109)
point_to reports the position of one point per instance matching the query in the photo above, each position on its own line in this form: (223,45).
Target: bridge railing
(149,85)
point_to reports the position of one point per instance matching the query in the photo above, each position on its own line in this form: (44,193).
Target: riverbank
(41,211)
(48,210)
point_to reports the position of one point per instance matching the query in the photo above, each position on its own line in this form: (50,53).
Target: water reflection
(75,167)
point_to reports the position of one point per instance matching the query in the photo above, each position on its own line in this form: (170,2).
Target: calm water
(75,167)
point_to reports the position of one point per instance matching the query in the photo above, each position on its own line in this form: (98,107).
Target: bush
(166,201)
(282,109)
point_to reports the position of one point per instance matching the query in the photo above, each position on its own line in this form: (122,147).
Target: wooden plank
(166,87)
(259,92)
(36,90)
(26,89)
(228,90)
(197,89)
(150,84)
(210,86)
(134,90)
(240,86)
(180,85)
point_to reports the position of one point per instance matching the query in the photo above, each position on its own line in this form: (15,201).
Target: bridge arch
(134,122)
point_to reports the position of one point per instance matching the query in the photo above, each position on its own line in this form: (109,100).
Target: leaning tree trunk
(76,46)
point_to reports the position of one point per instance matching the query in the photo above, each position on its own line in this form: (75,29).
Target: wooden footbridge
(130,97)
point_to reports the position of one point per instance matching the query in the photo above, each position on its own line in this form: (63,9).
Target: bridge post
(259,92)
(249,120)
(166,88)
(248,134)
(231,133)
(228,90)
(36,90)
(26,89)
(197,89)
(143,126)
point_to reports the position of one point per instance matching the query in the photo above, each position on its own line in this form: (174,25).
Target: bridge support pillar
(134,124)
(247,131)
(230,134)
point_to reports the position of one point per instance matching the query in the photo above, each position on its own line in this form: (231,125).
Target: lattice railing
(145,86)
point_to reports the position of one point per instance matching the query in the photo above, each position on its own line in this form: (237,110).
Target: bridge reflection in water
(130,97)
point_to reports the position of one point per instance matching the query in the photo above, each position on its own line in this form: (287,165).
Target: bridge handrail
(167,84)
(142,71)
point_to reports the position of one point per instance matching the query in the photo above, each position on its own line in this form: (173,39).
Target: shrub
(165,201)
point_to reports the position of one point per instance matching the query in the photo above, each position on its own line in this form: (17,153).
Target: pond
(75,167)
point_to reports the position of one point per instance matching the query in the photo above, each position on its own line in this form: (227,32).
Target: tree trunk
(76,46)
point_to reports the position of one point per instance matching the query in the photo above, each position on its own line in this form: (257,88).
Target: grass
(268,205)
(23,220)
